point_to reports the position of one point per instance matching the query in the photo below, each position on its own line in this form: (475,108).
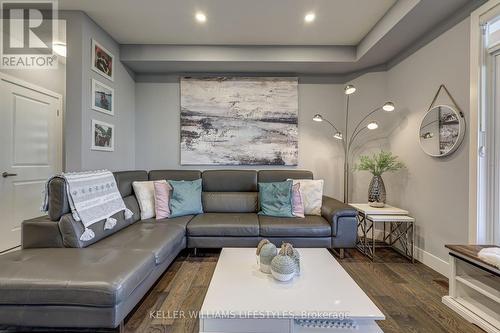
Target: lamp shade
(338,136)
(388,106)
(372,126)
(318,117)
(349,89)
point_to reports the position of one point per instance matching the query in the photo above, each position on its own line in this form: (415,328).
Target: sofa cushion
(230,202)
(275,199)
(186,197)
(297,203)
(311,192)
(229,180)
(270,176)
(160,238)
(174,174)
(145,195)
(40,232)
(180,221)
(309,226)
(162,192)
(124,180)
(86,277)
(224,224)
(72,230)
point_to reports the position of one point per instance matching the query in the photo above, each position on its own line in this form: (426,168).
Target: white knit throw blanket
(491,255)
(93,196)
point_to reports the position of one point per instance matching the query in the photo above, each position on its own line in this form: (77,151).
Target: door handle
(6,174)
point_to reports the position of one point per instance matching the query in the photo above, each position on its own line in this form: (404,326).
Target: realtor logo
(28,30)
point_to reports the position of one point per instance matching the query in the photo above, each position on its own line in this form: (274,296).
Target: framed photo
(103,136)
(226,121)
(102,60)
(102,98)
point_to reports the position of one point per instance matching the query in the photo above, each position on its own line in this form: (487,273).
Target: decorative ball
(283,266)
(295,255)
(266,251)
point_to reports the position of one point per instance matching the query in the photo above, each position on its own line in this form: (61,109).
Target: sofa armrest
(342,218)
(40,232)
(332,209)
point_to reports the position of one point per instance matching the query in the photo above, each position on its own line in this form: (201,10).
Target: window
(489,136)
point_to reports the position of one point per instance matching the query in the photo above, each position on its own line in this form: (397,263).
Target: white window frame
(484,164)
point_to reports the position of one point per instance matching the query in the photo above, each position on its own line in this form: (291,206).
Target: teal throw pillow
(275,199)
(186,198)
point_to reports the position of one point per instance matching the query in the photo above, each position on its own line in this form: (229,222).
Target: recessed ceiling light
(200,17)
(309,17)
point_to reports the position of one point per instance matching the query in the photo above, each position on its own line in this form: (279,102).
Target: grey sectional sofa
(56,280)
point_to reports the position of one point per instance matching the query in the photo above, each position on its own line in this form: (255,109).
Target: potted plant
(377,164)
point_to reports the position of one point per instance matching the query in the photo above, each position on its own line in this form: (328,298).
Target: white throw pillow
(145,194)
(312,195)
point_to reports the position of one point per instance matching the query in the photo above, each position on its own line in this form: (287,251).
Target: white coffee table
(242,299)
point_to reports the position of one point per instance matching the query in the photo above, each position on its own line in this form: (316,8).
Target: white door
(30,152)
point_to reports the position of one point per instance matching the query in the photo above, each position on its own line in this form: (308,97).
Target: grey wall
(157,129)
(434,190)
(80,30)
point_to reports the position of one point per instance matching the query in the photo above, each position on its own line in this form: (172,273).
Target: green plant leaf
(379,163)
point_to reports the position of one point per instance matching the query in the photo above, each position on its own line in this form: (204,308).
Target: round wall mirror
(441,131)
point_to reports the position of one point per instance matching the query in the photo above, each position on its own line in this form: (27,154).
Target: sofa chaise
(56,280)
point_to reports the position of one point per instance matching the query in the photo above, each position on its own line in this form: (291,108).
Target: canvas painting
(102,60)
(239,121)
(103,136)
(102,97)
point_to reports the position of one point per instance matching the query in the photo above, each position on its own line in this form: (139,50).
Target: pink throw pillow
(162,199)
(297,205)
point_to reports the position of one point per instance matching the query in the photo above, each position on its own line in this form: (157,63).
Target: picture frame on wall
(103,136)
(239,120)
(102,98)
(102,60)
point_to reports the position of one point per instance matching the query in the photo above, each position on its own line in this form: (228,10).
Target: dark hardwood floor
(408,294)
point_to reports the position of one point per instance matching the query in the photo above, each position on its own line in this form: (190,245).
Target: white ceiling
(234,22)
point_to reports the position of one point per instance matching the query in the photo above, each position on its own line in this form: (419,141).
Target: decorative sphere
(296,259)
(283,268)
(267,253)
(287,248)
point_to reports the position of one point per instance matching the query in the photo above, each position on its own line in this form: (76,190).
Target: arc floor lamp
(348,140)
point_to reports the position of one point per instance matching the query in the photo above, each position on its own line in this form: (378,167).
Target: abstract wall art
(239,121)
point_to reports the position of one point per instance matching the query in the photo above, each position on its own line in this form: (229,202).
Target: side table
(401,230)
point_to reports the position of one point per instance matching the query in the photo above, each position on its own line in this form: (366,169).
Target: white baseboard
(439,265)
(432,261)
